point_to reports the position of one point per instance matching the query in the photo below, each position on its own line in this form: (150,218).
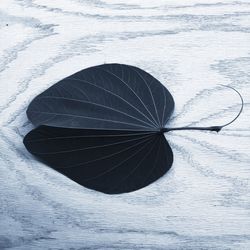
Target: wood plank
(191,47)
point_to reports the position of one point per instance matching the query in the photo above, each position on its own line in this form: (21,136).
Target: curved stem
(211,128)
(242,104)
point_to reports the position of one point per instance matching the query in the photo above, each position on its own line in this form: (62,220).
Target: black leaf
(104,127)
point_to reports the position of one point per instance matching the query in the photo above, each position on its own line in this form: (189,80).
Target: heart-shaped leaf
(104,127)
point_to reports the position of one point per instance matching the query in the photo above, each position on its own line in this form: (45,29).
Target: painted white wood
(190,46)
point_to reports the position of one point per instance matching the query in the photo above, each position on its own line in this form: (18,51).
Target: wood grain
(191,47)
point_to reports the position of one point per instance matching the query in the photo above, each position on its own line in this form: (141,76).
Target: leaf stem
(211,128)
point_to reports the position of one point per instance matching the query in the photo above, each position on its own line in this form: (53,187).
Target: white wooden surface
(192,46)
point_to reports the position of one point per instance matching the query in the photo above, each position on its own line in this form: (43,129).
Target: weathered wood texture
(192,47)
